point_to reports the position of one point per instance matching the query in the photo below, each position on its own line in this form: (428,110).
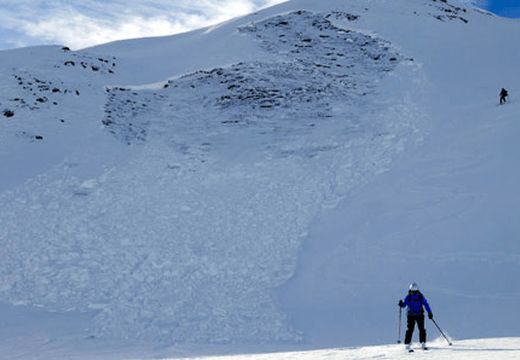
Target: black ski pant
(502,99)
(412,319)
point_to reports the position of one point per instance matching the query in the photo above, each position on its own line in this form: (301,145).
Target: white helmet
(414,287)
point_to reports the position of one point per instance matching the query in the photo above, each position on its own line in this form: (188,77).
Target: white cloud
(78,30)
(89,22)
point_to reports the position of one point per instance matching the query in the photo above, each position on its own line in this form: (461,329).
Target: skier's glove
(401,303)
(430,316)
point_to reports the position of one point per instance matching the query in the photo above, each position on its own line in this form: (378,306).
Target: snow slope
(446,215)
(495,348)
(273,179)
(505,348)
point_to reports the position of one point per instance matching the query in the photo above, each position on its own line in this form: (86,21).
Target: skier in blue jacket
(416,303)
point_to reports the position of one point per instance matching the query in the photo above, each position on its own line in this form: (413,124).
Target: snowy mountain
(277,179)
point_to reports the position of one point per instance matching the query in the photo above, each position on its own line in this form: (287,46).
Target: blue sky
(509,8)
(82,23)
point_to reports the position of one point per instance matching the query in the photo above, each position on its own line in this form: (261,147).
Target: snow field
(234,199)
(442,215)
(500,349)
(480,349)
(187,240)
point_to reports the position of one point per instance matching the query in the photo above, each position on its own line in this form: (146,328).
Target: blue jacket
(415,302)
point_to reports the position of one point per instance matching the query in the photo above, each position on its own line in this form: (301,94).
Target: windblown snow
(243,183)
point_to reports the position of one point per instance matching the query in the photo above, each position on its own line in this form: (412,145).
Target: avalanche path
(187,239)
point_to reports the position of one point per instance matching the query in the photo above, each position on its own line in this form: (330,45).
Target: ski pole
(399,326)
(438,328)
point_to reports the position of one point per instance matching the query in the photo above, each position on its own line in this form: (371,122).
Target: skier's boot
(423,346)
(408,348)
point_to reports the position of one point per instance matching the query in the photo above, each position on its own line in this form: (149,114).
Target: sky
(83,23)
(508,8)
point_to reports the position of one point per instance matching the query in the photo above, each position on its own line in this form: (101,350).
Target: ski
(412,350)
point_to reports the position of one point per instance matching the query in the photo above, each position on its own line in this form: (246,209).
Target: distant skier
(503,96)
(415,301)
